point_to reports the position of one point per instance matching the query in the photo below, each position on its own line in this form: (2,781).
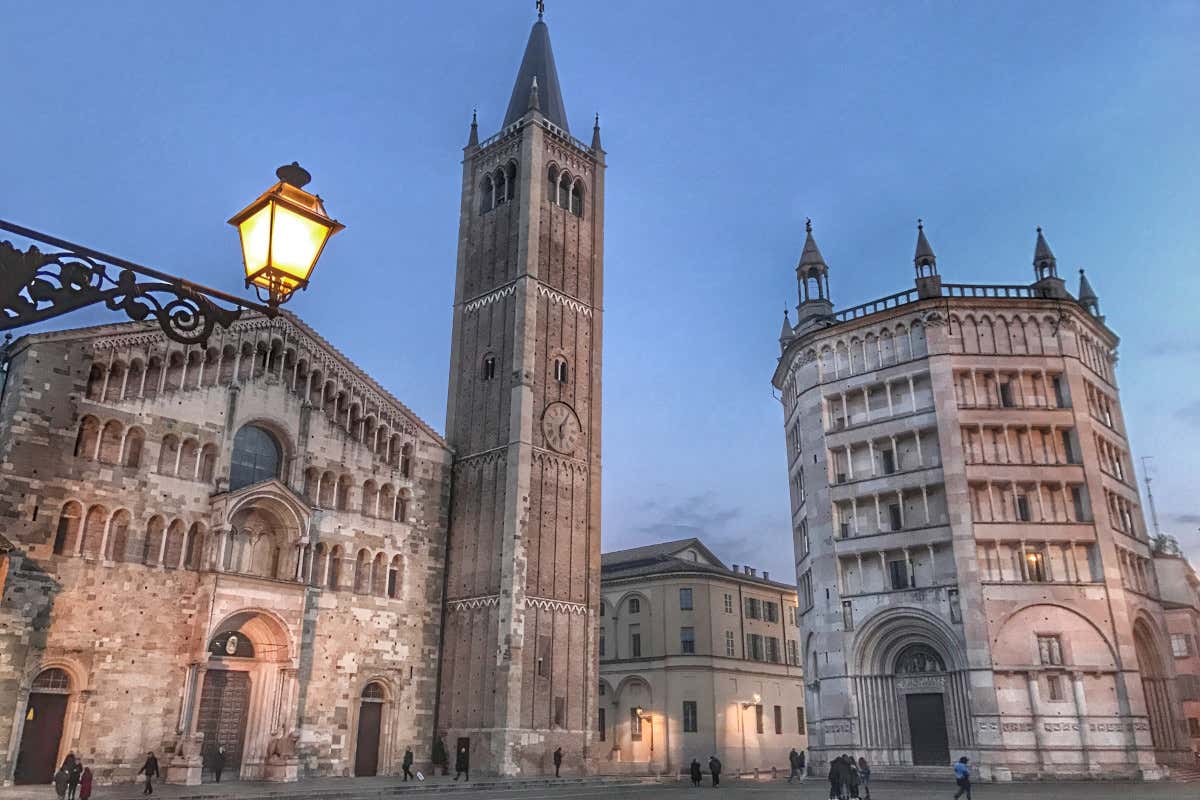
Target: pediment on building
(270,500)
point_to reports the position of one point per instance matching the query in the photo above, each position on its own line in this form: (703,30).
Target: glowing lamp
(283,233)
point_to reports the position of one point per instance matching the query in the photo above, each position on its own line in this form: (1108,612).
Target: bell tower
(519,663)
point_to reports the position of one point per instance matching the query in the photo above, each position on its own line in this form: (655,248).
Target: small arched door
(41,736)
(370,724)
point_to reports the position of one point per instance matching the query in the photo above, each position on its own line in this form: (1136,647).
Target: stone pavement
(636,789)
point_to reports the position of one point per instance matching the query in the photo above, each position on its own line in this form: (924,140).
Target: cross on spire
(541,7)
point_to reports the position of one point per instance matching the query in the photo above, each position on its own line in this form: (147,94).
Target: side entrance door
(224,704)
(366,752)
(927,729)
(40,738)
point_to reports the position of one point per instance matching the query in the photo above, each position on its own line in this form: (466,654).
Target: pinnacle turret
(1088,298)
(924,256)
(473,139)
(786,334)
(811,256)
(596,134)
(1044,263)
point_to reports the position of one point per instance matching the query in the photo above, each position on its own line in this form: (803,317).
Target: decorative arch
(883,635)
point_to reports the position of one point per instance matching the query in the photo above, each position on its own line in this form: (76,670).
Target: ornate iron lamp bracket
(36,286)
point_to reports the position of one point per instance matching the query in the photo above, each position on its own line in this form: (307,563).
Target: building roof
(538,64)
(665,558)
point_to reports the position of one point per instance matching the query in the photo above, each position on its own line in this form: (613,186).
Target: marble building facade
(973,568)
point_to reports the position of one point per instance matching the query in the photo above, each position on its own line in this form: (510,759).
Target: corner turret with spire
(812,281)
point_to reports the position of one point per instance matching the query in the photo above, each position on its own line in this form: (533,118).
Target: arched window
(343,493)
(116,380)
(369,497)
(189,455)
(394,587)
(510,182)
(379,568)
(564,191)
(154,372)
(335,566)
(552,184)
(118,536)
(208,462)
(87,438)
(402,506)
(95,383)
(134,439)
(110,442)
(577,199)
(406,459)
(635,605)
(373,691)
(256,457)
(68,528)
(489,368)
(362,572)
(501,187)
(560,369)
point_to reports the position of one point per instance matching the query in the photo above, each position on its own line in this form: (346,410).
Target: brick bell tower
(519,665)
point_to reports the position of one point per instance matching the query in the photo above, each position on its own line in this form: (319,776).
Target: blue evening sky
(139,128)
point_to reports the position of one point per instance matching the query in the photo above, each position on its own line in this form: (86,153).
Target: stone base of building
(281,770)
(510,753)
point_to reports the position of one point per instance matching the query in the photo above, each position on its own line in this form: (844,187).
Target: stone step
(388,790)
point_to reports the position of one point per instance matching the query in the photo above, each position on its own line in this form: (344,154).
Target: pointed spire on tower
(1044,263)
(786,334)
(538,62)
(473,140)
(596,134)
(923,257)
(1088,298)
(810,256)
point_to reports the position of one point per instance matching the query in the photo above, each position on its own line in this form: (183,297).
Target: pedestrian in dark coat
(697,775)
(835,778)
(74,771)
(852,769)
(864,778)
(793,764)
(557,761)
(406,765)
(150,770)
(440,757)
(462,764)
(714,767)
(60,783)
(802,764)
(218,763)
(85,783)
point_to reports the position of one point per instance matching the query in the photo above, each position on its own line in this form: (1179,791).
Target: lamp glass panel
(296,242)
(255,231)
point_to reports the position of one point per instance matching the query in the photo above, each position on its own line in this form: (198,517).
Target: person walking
(60,783)
(557,761)
(962,776)
(462,764)
(714,767)
(218,762)
(85,783)
(864,778)
(697,775)
(406,764)
(74,771)
(803,766)
(794,764)
(150,770)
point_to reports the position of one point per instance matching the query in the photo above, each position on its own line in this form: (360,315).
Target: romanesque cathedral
(253,545)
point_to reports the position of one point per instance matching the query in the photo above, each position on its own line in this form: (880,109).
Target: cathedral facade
(973,567)
(250,544)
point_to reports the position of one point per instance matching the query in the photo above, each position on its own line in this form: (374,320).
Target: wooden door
(927,729)
(40,738)
(224,706)
(366,753)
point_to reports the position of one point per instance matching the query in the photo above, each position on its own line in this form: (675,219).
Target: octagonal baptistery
(236,546)
(973,567)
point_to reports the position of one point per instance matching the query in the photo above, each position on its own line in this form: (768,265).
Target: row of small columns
(879,516)
(1061,458)
(1024,548)
(837,374)
(1067,501)
(862,582)
(891,412)
(1120,512)
(896,454)
(1134,571)
(1040,374)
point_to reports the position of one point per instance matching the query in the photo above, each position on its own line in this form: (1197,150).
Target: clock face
(561,427)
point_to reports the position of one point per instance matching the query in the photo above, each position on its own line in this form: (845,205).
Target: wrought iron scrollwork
(36,286)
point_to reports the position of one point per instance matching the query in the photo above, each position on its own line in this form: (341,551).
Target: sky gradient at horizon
(140,128)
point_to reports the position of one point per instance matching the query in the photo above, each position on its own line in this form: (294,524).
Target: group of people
(73,781)
(849,779)
(714,769)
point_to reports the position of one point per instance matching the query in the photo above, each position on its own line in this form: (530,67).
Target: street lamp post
(286,223)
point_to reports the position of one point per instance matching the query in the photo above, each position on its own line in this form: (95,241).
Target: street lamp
(280,248)
(283,233)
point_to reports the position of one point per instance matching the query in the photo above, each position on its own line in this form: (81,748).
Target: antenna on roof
(1150,493)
